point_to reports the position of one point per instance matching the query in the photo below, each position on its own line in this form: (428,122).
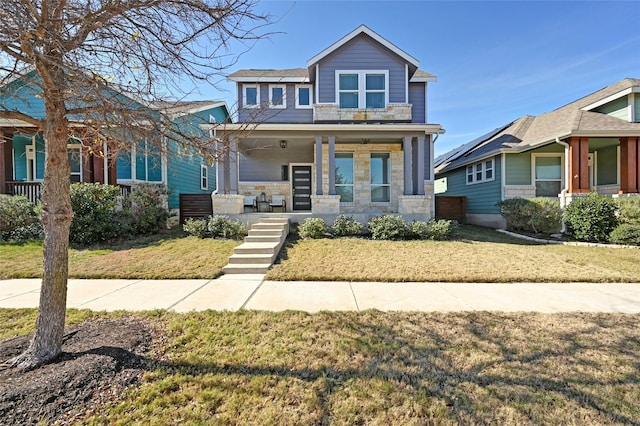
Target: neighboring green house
(590,145)
(180,169)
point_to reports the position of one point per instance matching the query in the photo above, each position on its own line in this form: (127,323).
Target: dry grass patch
(179,258)
(476,256)
(377,368)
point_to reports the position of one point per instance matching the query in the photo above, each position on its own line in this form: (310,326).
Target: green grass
(292,368)
(475,255)
(150,258)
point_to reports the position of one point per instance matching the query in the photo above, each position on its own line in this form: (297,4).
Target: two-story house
(348,134)
(589,145)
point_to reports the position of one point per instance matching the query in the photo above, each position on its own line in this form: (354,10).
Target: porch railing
(33,190)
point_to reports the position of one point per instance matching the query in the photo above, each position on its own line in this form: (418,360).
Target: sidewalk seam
(189,294)
(106,294)
(355,300)
(252,294)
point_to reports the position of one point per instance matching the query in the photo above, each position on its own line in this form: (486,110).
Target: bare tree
(100,66)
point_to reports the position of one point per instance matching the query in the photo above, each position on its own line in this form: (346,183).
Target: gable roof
(363,29)
(179,108)
(528,132)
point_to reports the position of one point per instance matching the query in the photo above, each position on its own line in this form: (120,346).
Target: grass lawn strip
(378,368)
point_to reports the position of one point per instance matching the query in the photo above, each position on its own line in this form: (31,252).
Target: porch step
(260,247)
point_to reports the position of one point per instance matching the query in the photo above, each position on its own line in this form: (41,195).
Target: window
(277,96)
(204,177)
(344,176)
(303,96)
(362,89)
(380,178)
(75,162)
(251,98)
(547,175)
(482,171)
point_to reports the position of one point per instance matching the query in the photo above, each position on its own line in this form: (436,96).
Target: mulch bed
(100,360)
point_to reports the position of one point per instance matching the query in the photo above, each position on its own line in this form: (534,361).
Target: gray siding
(362,53)
(290,114)
(266,165)
(416,99)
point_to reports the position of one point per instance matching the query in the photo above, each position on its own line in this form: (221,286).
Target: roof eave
(479,158)
(269,79)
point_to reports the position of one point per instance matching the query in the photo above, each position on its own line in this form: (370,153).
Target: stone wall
(331,112)
(227,203)
(519,191)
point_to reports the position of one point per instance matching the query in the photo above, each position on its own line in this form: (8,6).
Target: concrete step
(262,239)
(266,233)
(268,225)
(256,248)
(251,258)
(260,268)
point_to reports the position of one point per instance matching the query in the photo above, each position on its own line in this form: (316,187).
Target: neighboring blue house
(349,133)
(182,170)
(592,144)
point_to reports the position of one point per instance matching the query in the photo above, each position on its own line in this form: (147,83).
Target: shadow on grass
(473,381)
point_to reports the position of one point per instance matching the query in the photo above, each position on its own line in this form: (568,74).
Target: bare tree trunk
(56,219)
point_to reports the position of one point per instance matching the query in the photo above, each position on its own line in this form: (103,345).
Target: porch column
(332,165)
(220,166)
(408,170)
(421,161)
(318,165)
(233,166)
(578,165)
(5,160)
(431,159)
(629,160)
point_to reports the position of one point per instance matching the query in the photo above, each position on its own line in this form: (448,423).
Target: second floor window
(277,96)
(251,98)
(303,96)
(362,89)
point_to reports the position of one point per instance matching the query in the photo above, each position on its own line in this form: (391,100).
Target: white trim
(297,96)
(362,89)
(547,154)
(406,83)
(283,105)
(503,175)
(105,163)
(375,129)
(483,170)
(611,98)
(204,177)
(631,101)
(244,95)
(363,29)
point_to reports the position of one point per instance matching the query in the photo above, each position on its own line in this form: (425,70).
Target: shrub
(591,218)
(346,226)
(31,232)
(196,227)
(629,209)
(313,228)
(221,226)
(537,215)
(94,215)
(417,230)
(145,208)
(388,227)
(16,212)
(441,229)
(626,233)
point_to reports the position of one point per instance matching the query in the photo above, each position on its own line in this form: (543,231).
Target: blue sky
(495,61)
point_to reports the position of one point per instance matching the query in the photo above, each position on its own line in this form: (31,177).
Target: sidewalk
(233,292)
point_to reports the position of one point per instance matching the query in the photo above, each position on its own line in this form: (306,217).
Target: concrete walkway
(233,292)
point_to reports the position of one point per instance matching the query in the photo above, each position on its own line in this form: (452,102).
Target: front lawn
(346,368)
(166,257)
(475,255)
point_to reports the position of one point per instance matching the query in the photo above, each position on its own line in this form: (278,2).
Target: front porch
(363,170)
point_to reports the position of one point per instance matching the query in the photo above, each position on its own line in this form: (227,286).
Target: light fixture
(365,140)
(283,144)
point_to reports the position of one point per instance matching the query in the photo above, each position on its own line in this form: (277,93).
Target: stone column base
(415,205)
(227,203)
(325,204)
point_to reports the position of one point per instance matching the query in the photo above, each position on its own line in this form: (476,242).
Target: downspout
(563,193)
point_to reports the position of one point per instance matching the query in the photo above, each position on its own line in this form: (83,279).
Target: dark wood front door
(301,187)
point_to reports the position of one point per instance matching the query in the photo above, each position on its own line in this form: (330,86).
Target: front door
(301,187)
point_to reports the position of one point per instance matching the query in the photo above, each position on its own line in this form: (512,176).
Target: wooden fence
(453,208)
(195,205)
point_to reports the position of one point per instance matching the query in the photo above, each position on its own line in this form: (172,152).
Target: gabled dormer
(365,78)
(620,100)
